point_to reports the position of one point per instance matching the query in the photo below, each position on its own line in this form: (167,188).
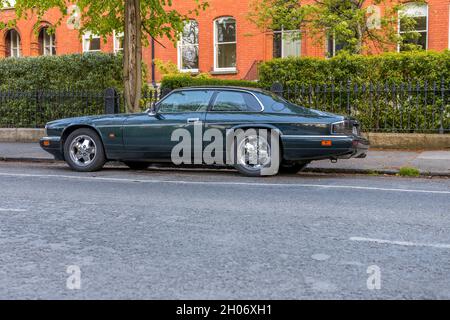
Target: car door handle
(193,120)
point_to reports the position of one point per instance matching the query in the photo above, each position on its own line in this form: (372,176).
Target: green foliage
(186,80)
(90,71)
(409,172)
(388,67)
(36,90)
(103,17)
(393,92)
(358,26)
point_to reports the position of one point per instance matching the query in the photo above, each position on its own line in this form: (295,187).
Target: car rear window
(234,101)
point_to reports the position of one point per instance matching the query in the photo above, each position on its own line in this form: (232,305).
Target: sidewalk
(381,161)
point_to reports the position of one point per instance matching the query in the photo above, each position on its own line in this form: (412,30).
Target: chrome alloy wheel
(254,152)
(83,150)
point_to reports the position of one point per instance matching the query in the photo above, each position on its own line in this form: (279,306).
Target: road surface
(194,234)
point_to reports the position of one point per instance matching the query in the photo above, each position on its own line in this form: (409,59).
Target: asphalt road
(191,234)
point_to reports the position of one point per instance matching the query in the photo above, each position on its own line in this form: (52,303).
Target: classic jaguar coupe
(138,140)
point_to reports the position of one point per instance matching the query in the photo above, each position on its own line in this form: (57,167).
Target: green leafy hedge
(186,80)
(418,66)
(34,90)
(92,71)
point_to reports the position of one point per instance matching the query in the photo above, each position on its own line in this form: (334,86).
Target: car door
(149,137)
(231,108)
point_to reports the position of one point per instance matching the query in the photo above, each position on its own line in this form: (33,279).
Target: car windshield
(278,104)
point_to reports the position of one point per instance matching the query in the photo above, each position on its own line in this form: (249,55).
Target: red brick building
(221,41)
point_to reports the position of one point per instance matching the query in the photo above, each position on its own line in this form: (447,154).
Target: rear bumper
(297,148)
(359,149)
(53,146)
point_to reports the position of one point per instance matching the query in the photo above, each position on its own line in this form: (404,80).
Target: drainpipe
(153,63)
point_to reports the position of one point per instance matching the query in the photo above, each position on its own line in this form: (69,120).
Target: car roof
(259,90)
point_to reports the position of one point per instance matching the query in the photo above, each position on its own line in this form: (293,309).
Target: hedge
(34,90)
(77,72)
(185,80)
(418,66)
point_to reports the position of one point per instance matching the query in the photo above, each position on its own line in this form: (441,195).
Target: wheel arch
(70,129)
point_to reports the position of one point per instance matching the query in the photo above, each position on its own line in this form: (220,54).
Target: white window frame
(88,36)
(428,20)
(44,44)
(15,48)
(283,33)
(180,51)
(216,46)
(10,5)
(117,36)
(328,47)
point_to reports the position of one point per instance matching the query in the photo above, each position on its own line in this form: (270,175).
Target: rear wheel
(293,167)
(255,156)
(137,165)
(83,151)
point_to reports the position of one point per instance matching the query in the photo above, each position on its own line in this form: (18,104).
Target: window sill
(191,72)
(223,72)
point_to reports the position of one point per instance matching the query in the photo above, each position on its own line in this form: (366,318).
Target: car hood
(85,120)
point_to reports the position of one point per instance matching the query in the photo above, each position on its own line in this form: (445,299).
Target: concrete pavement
(381,161)
(217,235)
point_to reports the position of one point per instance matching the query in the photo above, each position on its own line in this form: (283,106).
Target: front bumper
(53,146)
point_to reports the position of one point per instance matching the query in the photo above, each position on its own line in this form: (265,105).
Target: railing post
(111,101)
(277,88)
(349,111)
(38,108)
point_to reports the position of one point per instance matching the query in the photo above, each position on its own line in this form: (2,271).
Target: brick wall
(253,45)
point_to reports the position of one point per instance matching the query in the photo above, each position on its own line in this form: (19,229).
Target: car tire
(83,151)
(257,170)
(294,167)
(137,165)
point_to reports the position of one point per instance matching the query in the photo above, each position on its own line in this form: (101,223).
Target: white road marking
(215,183)
(12,210)
(402,243)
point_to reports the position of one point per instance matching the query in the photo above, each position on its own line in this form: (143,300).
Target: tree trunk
(132,67)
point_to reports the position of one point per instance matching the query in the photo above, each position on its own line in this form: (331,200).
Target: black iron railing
(33,109)
(406,107)
(380,107)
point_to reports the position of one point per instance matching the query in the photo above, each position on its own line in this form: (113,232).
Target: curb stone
(307,170)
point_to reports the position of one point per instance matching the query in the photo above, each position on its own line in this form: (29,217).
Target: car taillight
(345,127)
(338,128)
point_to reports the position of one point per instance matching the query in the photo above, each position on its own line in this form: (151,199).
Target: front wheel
(83,151)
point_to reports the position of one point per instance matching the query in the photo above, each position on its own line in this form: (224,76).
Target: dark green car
(209,115)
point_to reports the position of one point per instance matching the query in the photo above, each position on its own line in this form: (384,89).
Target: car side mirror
(153,112)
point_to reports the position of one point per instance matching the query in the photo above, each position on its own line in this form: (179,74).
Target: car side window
(186,101)
(233,101)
